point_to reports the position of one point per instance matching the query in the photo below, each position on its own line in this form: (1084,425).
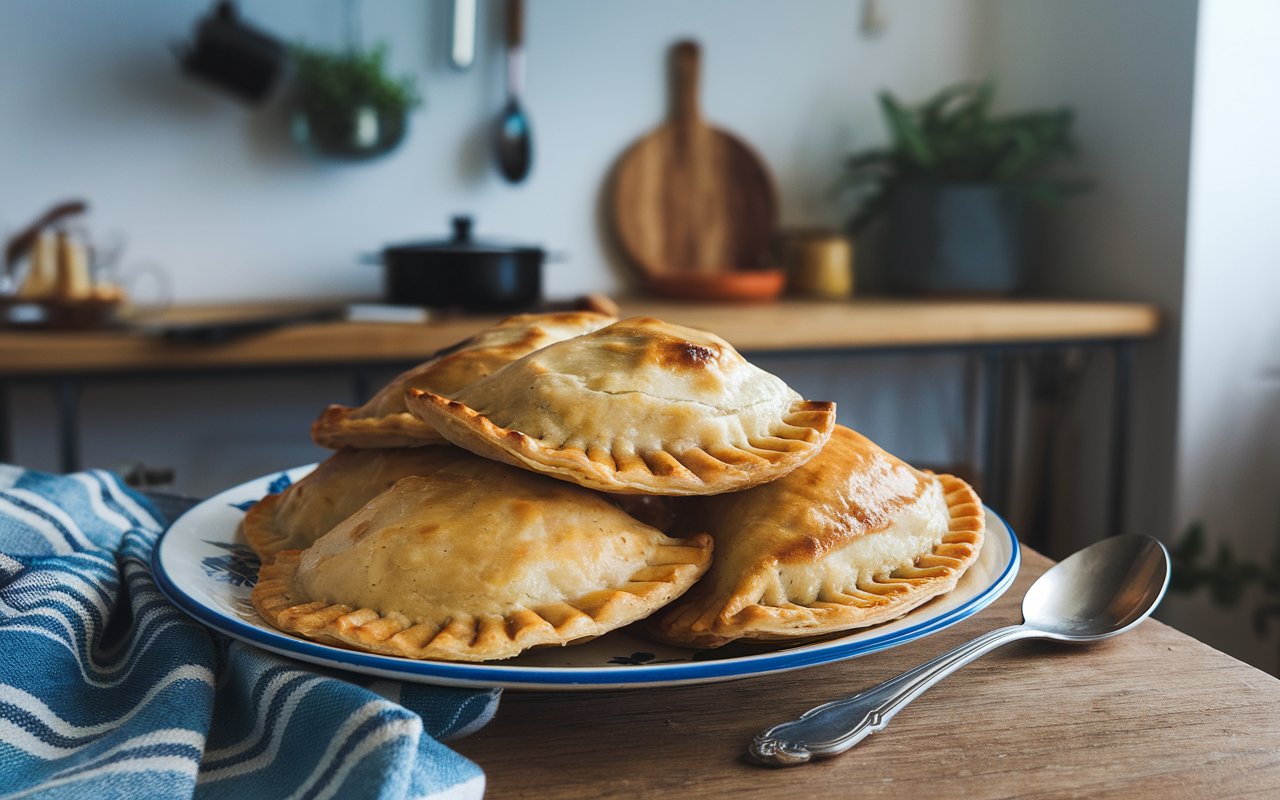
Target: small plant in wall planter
(348,105)
(954,183)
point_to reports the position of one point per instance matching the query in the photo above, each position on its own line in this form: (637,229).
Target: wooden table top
(788,325)
(1150,714)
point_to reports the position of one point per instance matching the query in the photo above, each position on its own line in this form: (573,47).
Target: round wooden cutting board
(689,198)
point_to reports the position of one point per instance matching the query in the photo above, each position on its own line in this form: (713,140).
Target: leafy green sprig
(334,83)
(1225,575)
(955,137)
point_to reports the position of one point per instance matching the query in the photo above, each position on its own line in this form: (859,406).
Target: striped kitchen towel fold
(108,691)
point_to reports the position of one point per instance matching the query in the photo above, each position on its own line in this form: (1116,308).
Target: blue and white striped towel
(108,691)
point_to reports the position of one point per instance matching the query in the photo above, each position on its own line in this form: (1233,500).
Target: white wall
(1228,457)
(1174,104)
(1127,70)
(93,105)
(101,111)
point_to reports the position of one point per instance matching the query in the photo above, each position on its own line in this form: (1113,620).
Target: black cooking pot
(463,273)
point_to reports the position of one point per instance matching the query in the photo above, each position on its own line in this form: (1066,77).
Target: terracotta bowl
(728,287)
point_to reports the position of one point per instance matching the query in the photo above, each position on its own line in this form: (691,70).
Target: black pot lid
(464,243)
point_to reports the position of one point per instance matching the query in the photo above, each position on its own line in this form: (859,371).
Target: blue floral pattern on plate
(238,568)
(277,485)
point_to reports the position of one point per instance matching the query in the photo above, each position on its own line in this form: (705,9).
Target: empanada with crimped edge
(639,407)
(385,422)
(477,568)
(853,538)
(336,489)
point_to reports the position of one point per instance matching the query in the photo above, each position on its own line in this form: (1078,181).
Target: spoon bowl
(1103,590)
(1100,591)
(514,142)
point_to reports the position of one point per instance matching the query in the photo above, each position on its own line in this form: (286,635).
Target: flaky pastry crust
(334,490)
(385,422)
(853,538)
(638,407)
(477,568)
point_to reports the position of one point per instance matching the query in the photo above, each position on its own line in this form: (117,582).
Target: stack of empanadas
(559,476)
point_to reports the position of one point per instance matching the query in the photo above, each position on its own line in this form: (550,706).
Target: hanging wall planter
(348,107)
(351,133)
(233,55)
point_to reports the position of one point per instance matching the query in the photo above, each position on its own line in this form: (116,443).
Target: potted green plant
(954,183)
(348,105)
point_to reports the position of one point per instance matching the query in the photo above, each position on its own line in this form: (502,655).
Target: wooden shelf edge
(788,325)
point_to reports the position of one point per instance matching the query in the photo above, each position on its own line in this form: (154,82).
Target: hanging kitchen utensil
(233,55)
(515,139)
(690,199)
(462,44)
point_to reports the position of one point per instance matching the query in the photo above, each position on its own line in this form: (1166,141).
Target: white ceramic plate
(207,570)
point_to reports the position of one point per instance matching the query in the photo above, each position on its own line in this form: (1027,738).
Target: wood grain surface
(779,327)
(689,197)
(1150,714)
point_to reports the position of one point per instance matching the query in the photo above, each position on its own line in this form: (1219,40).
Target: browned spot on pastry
(515,436)
(531,337)
(331,417)
(523,512)
(428,529)
(681,353)
(361,531)
(803,548)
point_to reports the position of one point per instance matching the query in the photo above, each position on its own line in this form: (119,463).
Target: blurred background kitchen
(197,194)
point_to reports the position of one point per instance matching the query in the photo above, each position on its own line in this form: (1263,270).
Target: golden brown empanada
(477,568)
(385,422)
(338,486)
(641,406)
(853,538)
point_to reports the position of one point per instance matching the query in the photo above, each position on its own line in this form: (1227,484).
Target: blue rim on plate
(707,670)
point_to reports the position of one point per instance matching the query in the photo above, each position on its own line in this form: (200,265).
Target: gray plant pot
(957,239)
(353,134)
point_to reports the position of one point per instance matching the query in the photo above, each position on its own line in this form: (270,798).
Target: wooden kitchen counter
(1150,714)
(790,325)
(66,361)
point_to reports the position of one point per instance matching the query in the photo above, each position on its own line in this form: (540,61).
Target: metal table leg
(6,426)
(993,429)
(360,391)
(68,392)
(1122,378)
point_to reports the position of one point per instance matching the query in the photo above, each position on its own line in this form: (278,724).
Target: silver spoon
(1100,591)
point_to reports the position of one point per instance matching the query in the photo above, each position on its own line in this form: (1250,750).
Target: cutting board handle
(686,58)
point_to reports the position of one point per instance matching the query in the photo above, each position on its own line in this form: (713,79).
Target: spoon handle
(832,728)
